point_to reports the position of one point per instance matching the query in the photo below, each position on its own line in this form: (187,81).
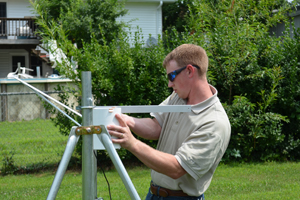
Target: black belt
(164,192)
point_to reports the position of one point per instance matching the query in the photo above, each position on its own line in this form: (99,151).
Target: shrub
(255,74)
(8,165)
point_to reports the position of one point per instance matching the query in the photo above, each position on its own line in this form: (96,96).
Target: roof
(295,13)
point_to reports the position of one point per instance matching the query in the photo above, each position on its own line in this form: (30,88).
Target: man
(190,145)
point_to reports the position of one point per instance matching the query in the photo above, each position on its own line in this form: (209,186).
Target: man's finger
(121,120)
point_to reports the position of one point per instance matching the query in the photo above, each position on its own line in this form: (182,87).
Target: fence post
(88,159)
(46,89)
(4,106)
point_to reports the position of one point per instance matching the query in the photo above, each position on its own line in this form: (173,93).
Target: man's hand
(122,132)
(128,120)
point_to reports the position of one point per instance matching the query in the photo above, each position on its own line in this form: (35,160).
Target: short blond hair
(186,54)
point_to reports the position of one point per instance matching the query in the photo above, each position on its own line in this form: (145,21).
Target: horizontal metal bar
(151,108)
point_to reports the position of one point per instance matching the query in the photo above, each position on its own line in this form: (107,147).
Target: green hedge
(256,74)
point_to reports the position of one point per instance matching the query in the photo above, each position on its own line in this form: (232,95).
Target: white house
(294,16)
(17,38)
(18,42)
(147,15)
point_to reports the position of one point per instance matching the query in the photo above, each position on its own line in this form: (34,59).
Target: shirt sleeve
(160,116)
(199,151)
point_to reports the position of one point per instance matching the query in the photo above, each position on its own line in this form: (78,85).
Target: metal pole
(38,92)
(105,138)
(88,180)
(73,139)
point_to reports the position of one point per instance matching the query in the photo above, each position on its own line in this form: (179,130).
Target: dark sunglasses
(173,74)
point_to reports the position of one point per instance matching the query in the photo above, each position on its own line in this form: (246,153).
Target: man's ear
(190,70)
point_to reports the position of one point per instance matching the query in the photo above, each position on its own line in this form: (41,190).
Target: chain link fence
(29,139)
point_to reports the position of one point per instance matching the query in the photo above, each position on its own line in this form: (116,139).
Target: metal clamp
(88,130)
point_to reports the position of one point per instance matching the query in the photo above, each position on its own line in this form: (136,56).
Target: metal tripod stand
(89,167)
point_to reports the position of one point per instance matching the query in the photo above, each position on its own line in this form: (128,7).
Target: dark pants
(151,196)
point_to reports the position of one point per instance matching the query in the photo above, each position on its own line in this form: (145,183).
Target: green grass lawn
(238,181)
(256,181)
(31,142)
(39,141)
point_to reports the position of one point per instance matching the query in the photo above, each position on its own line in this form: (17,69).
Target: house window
(35,61)
(16,60)
(2,9)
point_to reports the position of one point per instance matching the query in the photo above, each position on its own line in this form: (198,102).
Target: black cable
(104,177)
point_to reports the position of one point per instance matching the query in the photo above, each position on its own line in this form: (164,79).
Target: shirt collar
(198,108)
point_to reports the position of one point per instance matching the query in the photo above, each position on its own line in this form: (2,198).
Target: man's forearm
(159,161)
(144,127)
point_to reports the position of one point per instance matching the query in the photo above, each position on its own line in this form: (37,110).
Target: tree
(81,18)
(176,15)
(250,68)
(122,74)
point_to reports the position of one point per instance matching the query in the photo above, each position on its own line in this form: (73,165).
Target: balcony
(18,33)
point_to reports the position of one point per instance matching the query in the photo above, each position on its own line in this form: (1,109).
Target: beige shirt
(198,140)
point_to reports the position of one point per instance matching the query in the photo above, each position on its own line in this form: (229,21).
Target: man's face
(178,84)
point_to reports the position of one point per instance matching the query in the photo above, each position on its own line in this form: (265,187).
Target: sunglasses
(173,74)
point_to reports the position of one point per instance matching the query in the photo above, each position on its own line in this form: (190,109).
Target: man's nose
(170,84)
